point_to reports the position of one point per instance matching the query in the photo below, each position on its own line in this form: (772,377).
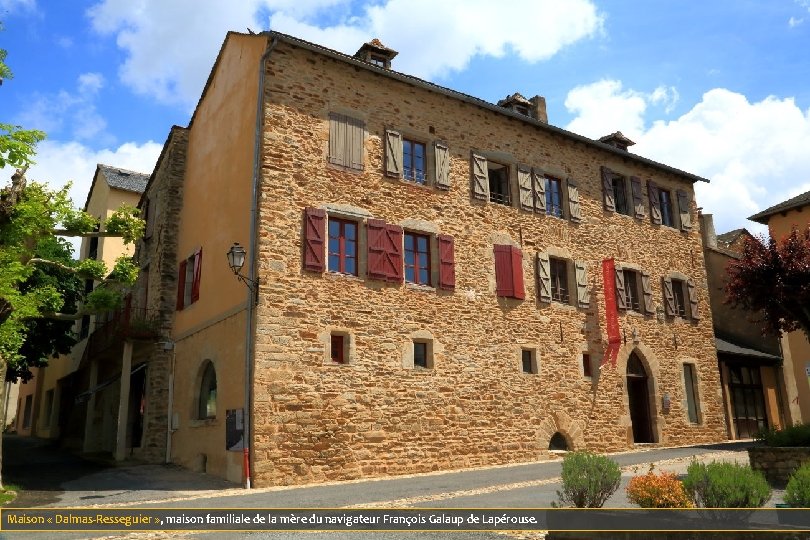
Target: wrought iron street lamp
(236,260)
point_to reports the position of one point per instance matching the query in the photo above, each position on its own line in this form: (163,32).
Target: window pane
(421,243)
(350,230)
(334,245)
(334,228)
(424,277)
(334,263)
(350,266)
(410,258)
(350,247)
(409,242)
(409,274)
(420,354)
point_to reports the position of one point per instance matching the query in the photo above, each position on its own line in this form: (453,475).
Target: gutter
(247,433)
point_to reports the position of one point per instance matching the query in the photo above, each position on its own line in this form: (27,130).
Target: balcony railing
(126,323)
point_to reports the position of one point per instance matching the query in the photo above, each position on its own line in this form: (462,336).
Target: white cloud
(755,154)
(171,46)
(59,162)
(71,113)
(793,22)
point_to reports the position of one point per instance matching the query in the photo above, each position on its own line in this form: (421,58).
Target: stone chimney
(707,231)
(374,52)
(533,108)
(539,108)
(617,140)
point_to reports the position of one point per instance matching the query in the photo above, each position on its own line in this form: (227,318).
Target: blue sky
(720,88)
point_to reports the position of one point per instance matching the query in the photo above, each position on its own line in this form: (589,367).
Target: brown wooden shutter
(195,284)
(638,198)
(480,177)
(314,239)
(447,262)
(393,153)
(375,230)
(655,202)
(646,289)
(574,210)
(394,253)
(442,156)
(181,285)
(693,299)
(337,139)
(684,210)
(621,297)
(583,294)
(669,297)
(543,277)
(517,274)
(524,175)
(356,138)
(607,190)
(539,186)
(503,270)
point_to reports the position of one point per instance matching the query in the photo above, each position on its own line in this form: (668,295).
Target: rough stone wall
(158,251)
(318,421)
(778,463)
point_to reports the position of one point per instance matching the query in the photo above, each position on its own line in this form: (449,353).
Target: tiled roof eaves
(798,201)
(481,103)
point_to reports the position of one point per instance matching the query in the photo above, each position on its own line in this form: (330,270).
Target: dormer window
(376,54)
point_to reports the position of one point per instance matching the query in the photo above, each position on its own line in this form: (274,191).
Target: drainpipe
(254,290)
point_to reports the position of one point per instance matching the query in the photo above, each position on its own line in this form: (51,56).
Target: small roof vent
(374,52)
(617,140)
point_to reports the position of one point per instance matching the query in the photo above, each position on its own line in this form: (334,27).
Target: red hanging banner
(611,312)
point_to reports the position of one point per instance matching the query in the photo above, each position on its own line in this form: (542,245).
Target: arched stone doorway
(638,397)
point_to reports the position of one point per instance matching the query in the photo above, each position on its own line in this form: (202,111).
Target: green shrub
(662,490)
(798,435)
(726,485)
(588,480)
(797,492)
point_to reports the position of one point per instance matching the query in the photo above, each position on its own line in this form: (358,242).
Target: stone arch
(573,431)
(652,367)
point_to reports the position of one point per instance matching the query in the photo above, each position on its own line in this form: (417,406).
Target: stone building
(781,219)
(435,281)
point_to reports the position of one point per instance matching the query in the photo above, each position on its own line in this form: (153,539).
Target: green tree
(39,296)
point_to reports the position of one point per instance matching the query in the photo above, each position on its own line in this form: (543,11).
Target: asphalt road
(52,477)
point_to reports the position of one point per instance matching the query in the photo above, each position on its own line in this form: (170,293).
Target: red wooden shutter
(394,253)
(195,285)
(314,239)
(181,285)
(375,230)
(503,271)
(447,262)
(518,291)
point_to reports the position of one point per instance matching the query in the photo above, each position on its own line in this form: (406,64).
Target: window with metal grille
(631,295)
(558,270)
(414,161)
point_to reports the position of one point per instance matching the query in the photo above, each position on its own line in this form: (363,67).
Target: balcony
(126,323)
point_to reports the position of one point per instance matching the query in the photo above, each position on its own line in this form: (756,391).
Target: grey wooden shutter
(693,299)
(583,294)
(621,297)
(574,210)
(480,177)
(543,277)
(683,209)
(539,185)
(655,202)
(669,297)
(356,137)
(393,153)
(524,175)
(607,190)
(646,289)
(337,139)
(442,155)
(638,199)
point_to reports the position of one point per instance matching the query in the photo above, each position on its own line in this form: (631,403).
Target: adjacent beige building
(781,219)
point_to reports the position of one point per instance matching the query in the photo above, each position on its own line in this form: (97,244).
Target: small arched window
(207,404)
